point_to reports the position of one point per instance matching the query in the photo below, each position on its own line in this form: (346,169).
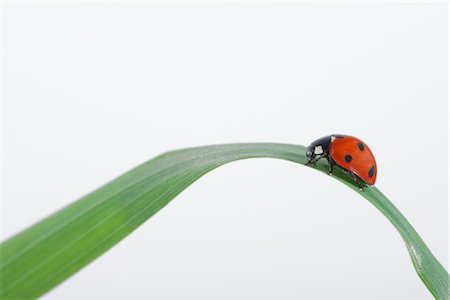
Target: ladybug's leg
(314,160)
(311,161)
(358,182)
(331,163)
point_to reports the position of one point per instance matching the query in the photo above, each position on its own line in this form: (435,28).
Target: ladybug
(347,152)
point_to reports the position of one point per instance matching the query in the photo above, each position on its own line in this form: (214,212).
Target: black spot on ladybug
(361,146)
(348,158)
(372,171)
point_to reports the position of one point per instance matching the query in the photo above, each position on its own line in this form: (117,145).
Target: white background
(91,90)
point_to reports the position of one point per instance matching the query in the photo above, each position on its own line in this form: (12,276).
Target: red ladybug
(347,152)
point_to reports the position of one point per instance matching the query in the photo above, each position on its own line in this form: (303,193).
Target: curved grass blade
(42,256)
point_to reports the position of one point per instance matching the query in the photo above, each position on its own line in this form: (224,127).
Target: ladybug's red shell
(355,156)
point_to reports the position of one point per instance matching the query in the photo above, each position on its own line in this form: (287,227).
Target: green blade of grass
(42,256)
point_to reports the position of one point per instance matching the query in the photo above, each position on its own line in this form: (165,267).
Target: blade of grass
(42,256)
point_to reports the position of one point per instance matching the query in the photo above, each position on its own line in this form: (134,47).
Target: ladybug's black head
(318,149)
(310,153)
